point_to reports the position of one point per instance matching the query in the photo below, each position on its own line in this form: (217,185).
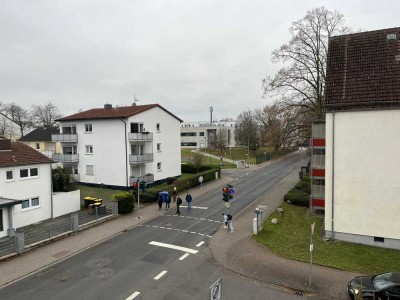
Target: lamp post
(248,144)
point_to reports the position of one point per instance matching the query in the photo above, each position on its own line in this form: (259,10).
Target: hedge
(300,194)
(125,202)
(190,169)
(181,184)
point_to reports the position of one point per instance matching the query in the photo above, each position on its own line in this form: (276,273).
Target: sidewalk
(241,254)
(24,265)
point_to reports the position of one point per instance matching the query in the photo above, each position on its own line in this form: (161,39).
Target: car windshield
(382,281)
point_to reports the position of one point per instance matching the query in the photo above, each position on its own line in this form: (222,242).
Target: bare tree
(17,115)
(247,130)
(198,160)
(44,114)
(302,82)
(220,139)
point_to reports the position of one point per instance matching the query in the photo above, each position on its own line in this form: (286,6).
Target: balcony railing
(140,136)
(148,178)
(318,161)
(141,159)
(65,158)
(317,191)
(64,138)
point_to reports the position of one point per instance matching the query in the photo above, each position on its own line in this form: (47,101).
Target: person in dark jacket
(167,201)
(159,201)
(178,203)
(188,202)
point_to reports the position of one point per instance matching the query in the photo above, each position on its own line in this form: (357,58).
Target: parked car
(380,286)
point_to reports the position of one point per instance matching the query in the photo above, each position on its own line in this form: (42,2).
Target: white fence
(65,203)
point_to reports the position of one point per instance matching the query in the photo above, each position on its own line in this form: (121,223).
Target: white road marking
(185,231)
(193,232)
(168,228)
(201,233)
(199,244)
(184,256)
(162,227)
(184,249)
(202,219)
(208,235)
(133,296)
(160,275)
(200,207)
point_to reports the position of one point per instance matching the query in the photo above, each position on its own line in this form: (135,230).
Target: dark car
(381,286)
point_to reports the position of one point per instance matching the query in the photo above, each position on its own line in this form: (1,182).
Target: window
(159,147)
(33,172)
(137,127)
(89,149)
(89,170)
(158,126)
(33,202)
(37,146)
(201,133)
(23,173)
(9,175)
(1,220)
(318,151)
(159,166)
(88,128)
(188,133)
(189,144)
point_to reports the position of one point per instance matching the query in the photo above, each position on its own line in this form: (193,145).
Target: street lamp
(248,143)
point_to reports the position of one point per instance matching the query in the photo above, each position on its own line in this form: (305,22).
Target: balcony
(65,158)
(140,136)
(140,159)
(318,161)
(149,178)
(64,138)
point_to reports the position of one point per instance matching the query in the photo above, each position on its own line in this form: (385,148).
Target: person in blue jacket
(167,201)
(188,202)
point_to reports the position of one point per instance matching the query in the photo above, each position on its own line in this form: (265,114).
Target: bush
(62,180)
(297,197)
(303,186)
(170,180)
(191,169)
(125,202)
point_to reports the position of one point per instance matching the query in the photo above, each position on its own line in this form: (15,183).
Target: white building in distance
(115,146)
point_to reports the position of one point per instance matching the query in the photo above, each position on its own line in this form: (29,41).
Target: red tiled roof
(363,70)
(113,113)
(21,154)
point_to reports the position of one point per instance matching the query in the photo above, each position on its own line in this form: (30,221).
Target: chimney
(5,145)
(108,106)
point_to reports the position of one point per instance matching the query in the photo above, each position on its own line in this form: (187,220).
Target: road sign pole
(138,201)
(311,251)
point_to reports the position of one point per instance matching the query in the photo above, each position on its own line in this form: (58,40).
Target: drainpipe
(51,191)
(333,175)
(126,156)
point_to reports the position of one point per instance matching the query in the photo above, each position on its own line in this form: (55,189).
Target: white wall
(366,173)
(65,203)
(21,189)
(108,158)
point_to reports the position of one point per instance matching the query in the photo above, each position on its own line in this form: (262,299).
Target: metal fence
(35,235)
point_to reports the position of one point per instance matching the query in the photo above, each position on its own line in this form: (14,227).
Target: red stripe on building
(318,142)
(318,203)
(318,172)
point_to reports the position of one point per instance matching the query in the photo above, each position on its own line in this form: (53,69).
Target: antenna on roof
(134,100)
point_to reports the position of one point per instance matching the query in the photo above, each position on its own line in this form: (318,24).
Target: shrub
(125,202)
(62,180)
(298,197)
(170,180)
(303,186)
(191,169)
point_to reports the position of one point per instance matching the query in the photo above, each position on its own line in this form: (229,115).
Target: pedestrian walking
(174,193)
(178,203)
(188,202)
(167,201)
(159,201)
(228,222)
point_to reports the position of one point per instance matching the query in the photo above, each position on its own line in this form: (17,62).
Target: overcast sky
(184,55)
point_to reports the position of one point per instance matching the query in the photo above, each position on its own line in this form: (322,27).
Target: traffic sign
(227,204)
(231,191)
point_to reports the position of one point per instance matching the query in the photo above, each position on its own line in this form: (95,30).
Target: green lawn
(291,239)
(187,157)
(105,194)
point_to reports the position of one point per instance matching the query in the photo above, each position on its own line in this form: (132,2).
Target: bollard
(216,175)
(255,229)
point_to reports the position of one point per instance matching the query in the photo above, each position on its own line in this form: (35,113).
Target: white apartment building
(197,135)
(25,186)
(114,146)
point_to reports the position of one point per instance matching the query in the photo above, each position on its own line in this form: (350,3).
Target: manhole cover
(102,274)
(98,263)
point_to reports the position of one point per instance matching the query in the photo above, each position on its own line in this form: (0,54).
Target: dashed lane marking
(200,207)
(160,275)
(188,217)
(170,246)
(133,296)
(176,229)
(199,244)
(184,256)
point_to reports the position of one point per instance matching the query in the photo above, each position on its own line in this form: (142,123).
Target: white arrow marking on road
(188,250)
(160,275)
(199,244)
(200,207)
(133,296)
(184,256)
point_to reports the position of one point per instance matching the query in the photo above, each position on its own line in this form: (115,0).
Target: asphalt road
(147,262)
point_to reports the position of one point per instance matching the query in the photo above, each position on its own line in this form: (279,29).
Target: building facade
(114,146)
(40,140)
(197,135)
(362,165)
(317,172)
(25,186)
